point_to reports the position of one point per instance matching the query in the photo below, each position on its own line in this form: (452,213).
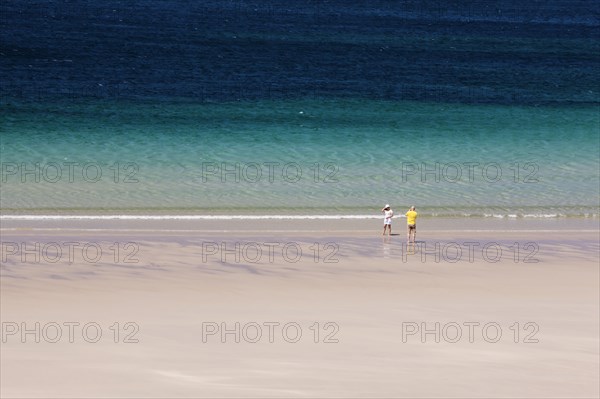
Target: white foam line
(183,217)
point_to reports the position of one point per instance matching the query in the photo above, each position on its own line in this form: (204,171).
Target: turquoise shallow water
(311,156)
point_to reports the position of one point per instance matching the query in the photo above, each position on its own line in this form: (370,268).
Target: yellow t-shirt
(411,217)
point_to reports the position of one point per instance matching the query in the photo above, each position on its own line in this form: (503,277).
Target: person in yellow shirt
(411,222)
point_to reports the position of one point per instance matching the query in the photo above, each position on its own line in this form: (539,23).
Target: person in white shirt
(388,214)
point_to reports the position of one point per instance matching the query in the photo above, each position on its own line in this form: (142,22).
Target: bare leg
(412,232)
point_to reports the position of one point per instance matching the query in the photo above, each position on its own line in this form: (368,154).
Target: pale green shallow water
(367,153)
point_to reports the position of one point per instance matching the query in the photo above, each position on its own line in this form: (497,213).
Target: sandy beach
(191,199)
(311,308)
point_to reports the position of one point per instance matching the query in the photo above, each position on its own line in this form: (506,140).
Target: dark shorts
(412,226)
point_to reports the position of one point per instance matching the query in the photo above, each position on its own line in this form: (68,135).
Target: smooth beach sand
(372,297)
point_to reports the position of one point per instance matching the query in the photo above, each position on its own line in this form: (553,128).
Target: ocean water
(316,108)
